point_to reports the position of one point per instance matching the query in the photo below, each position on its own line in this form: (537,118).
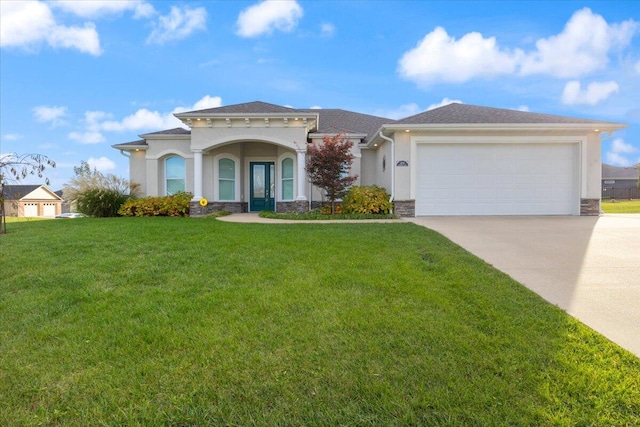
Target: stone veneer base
(404,208)
(298,206)
(195,210)
(589,207)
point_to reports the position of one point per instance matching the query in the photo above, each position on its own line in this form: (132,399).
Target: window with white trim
(226,179)
(175,172)
(287,179)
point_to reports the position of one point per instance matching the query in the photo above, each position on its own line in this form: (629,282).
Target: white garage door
(49,210)
(30,209)
(497,179)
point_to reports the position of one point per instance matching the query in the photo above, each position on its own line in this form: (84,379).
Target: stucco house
(620,182)
(458,159)
(31,201)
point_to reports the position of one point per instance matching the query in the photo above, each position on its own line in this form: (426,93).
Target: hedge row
(175,205)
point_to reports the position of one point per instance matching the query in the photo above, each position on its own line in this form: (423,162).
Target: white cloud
(582,47)
(440,57)
(327,29)
(12,136)
(620,153)
(178,24)
(594,93)
(53,115)
(637,67)
(89,137)
(99,8)
(267,16)
(619,146)
(102,164)
(142,120)
(405,110)
(524,108)
(445,101)
(84,39)
(204,103)
(26,25)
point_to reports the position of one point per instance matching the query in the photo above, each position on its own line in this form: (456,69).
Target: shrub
(367,200)
(101,202)
(326,209)
(174,205)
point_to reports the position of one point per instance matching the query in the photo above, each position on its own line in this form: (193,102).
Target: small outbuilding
(31,201)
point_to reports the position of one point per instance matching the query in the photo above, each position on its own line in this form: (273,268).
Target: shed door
(497,179)
(49,210)
(30,209)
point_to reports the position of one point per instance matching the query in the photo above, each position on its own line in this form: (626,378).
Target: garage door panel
(496,179)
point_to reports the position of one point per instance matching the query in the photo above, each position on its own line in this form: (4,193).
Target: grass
(187,322)
(11,219)
(621,206)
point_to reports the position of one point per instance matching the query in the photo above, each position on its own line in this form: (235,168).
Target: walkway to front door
(262,186)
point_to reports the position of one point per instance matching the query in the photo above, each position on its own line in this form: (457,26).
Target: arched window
(287,179)
(174,171)
(227,179)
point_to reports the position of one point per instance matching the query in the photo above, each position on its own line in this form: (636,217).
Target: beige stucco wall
(205,138)
(592,166)
(138,169)
(403,173)
(383,178)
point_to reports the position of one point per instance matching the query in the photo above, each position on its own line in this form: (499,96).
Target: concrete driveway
(588,266)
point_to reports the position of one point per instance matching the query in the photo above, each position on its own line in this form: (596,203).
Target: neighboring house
(454,160)
(31,201)
(66,204)
(620,182)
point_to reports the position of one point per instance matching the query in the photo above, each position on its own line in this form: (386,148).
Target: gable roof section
(474,114)
(255,107)
(17,192)
(617,172)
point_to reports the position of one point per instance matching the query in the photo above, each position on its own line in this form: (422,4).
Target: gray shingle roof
(336,120)
(617,172)
(16,192)
(256,107)
(174,131)
(473,114)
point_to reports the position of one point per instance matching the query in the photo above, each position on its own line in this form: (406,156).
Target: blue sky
(79,76)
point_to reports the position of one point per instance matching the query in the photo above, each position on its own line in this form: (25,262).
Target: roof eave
(293,114)
(594,126)
(354,135)
(126,147)
(165,136)
(598,127)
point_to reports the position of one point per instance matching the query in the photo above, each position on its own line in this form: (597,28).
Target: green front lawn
(621,206)
(170,321)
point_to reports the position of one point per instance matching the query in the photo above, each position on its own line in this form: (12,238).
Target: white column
(302,173)
(197,174)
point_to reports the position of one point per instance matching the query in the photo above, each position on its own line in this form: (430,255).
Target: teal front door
(262,186)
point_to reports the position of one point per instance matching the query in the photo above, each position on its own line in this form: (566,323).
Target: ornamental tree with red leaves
(328,166)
